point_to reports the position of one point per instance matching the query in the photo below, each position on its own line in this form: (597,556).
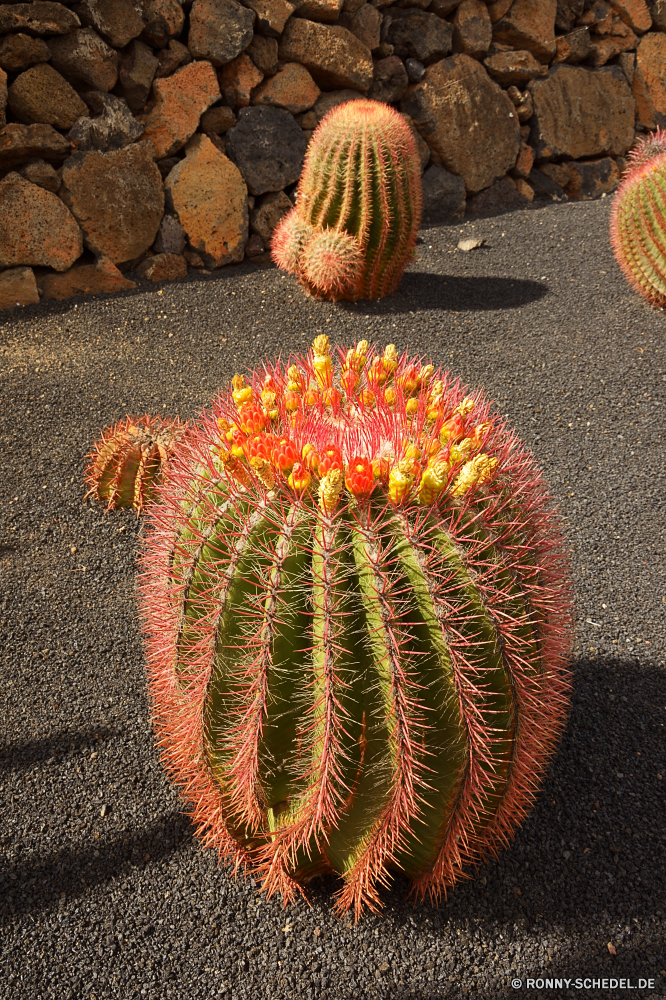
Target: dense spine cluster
(353,230)
(356,609)
(638,219)
(127,463)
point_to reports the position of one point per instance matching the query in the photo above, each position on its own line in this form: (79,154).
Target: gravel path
(104,892)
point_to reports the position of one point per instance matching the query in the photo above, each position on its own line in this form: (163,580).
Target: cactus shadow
(420,291)
(23,756)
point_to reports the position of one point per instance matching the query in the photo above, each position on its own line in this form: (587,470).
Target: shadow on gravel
(455,293)
(73,872)
(19,756)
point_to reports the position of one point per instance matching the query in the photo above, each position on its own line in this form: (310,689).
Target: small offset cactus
(126,464)
(638,219)
(358,208)
(356,609)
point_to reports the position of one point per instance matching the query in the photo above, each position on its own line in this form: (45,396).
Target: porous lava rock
(418,34)
(163,267)
(529,24)
(85,59)
(272,15)
(180,100)
(19,52)
(117,21)
(238,79)
(42,174)
(649,82)
(36,228)
(40,95)
(390,80)
(37,18)
(472,29)
(136,74)
(268,147)
(292,88)
(219,30)
(164,20)
(589,179)
(114,127)
(208,195)
(19,143)
(443,196)
(18,287)
(85,279)
(514,68)
(334,56)
(266,215)
(117,199)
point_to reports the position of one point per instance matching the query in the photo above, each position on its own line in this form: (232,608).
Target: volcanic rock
(164,19)
(365,23)
(649,83)
(180,100)
(18,288)
(466,119)
(84,58)
(590,179)
(418,34)
(514,68)
(217,120)
(171,236)
(41,95)
(219,30)
(575,46)
(42,174)
(117,21)
(3,97)
(19,143)
(163,267)
(390,80)
(35,227)
(443,196)
(175,55)
(85,279)
(326,11)
(117,198)
(264,54)
(266,215)
(529,24)
(268,147)
(568,12)
(292,88)
(326,102)
(560,126)
(136,73)
(209,198)
(116,127)
(272,15)
(19,52)
(472,29)
(503,196)
(238,79)
(334,56)
(37,18)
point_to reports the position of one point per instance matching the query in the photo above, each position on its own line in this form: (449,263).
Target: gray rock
(443,195)
(117,21)
(390,80)
(265,217)
(219,30)
(415,70)
(136,73)
(268,147)
(41,173)
(171,237)
(116,127)
(37,18)
(19,52)
(417,34)
(84,58)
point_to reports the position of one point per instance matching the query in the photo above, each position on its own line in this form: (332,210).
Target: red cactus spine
(638,219)
(357,636)
(353,230)
(126,464)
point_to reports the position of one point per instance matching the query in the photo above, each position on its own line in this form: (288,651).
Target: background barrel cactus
(358,208)
(356,609)
(638,219)
(126,464)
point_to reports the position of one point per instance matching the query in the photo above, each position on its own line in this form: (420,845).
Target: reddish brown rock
(610,46)
(466,119)
(264,54)
(503,196)
(219,30)
(524,163)
(582,113)
(85,279)
(117,21)
(35,227)
(42,174)
(649,83)
(390,80)
(171,58)
(568,12)
(292,88)
(19,143)
(163,267)
(524,189)
(588,180)
(560,173)
(3,98)
(472,29)
(522,101)
(164,20)
(529,24)
(498,9)
(422,147)
(634,13)
(85,59)
(575,46)
(334,56)
(41,95)
(180,101)
(209,197)
(38,18)
(514,68)
(136,73)
(365,23)
(272,15)
(266,215)
(255,246)
(326,11)
(217,121)
(18,288)
(237,81)
(658,13)
(117,198)
(19,52)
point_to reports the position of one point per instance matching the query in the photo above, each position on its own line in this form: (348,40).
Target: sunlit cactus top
(356,608)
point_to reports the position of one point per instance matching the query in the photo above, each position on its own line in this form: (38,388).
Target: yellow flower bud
(390,396)
(330,488)
(465,407)
(264,471)
(299,478)
(432,482)
(474,472)
(399,485)
(412,407)
(321,361)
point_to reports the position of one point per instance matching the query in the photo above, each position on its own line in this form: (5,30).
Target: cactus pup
(126,464)
(638,219)
(358,208)
(355,602)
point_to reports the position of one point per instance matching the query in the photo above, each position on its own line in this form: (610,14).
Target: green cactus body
(638,219)
(365,678)
(358,209)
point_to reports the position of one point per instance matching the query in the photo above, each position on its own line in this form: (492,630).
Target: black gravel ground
(104,893)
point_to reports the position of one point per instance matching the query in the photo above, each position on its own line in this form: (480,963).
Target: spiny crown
(646,149)
(360,422)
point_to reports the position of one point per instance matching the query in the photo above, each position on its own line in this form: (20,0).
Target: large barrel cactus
(358,208)
(638,219)
(356,608)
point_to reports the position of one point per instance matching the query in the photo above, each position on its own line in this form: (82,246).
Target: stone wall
(153,136)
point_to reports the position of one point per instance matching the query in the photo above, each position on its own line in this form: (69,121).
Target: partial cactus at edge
(356,608)
(638,219)
(358,208)
(126,464)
